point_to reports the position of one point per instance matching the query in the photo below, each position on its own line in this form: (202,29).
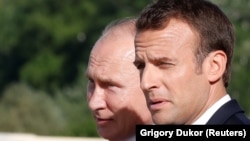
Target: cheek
(128,97)
(183,83)
(176,78)
(182,74)
(138,100)
(118,98)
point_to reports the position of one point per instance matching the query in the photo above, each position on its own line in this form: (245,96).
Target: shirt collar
(202,120)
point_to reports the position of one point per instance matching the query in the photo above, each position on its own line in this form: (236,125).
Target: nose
(96,100)
(148,79)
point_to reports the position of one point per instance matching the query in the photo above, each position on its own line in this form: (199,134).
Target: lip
(103,121)
(157,104)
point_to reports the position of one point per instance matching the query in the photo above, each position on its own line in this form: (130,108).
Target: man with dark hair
(184,50)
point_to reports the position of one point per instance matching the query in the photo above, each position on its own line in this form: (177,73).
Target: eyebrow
(104,80)
(161,58)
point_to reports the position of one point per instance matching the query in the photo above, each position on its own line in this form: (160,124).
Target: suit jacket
(229,113)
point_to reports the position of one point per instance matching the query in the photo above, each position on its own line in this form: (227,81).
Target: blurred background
(44,50)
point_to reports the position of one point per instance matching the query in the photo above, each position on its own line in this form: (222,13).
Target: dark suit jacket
(229,113)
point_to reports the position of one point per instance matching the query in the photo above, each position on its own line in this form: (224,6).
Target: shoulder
(230,113)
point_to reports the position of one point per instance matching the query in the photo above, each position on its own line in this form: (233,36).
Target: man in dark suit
(229,113)
(184,50)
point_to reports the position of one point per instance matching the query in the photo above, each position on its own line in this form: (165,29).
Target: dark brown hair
(214,28)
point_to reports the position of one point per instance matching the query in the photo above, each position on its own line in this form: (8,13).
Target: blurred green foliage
(44,50)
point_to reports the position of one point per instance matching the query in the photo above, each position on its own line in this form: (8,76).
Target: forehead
(111,62)
(115,42)
(176,32)
(112,54)
(109,69)
(177,41)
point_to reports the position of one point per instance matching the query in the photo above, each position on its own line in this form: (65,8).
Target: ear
(215,65)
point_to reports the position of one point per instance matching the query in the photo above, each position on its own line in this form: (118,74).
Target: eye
(164,64)
(109,84)
(139,65)
(161,63)
(90,80)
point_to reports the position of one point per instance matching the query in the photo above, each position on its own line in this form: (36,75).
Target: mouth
(103,121)
(157,104)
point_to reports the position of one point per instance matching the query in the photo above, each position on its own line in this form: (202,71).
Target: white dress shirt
(209,113)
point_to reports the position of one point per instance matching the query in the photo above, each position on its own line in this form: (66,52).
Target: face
(114,93)
(176,91)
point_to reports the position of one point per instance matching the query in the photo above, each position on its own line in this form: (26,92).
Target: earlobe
(216,65)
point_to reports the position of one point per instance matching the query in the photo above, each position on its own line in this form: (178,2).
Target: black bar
(193,132)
